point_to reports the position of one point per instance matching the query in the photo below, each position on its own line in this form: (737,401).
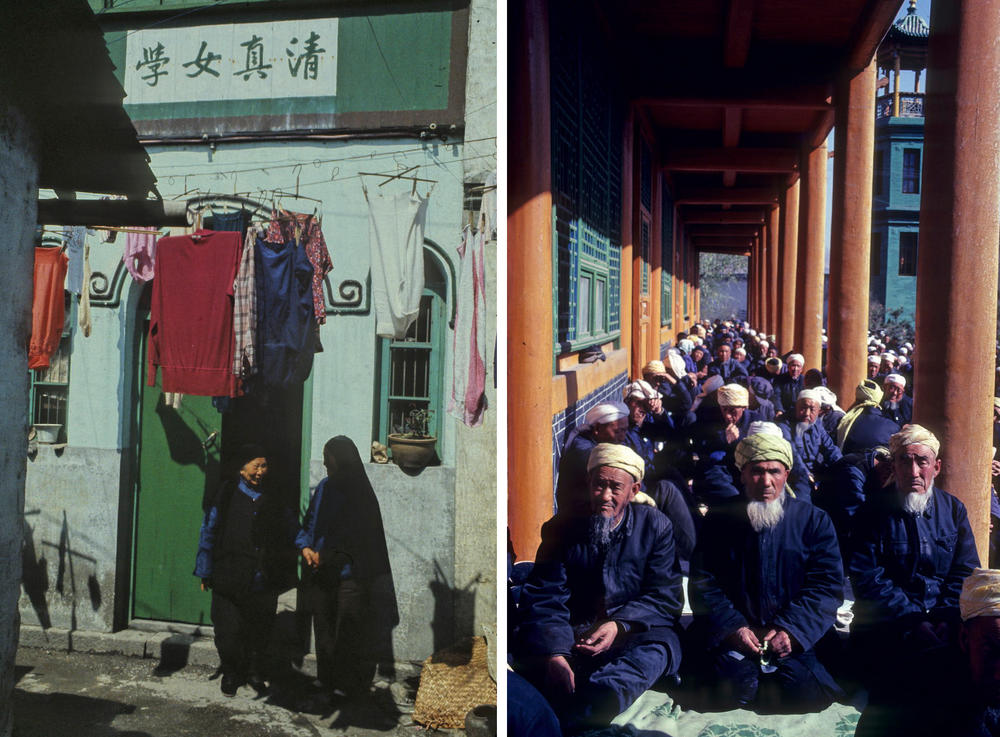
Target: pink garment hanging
(468,380)
(140,254)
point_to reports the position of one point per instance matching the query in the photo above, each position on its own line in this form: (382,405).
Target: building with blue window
(899,143)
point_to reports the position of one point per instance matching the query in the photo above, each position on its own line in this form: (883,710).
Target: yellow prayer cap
(733,395)
(616,456)
(654,367)
(763,447)
(914,435)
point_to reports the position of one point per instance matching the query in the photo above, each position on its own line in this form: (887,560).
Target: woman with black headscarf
(349,582)
(246,537)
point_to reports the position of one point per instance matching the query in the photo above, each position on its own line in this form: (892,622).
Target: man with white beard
(766,581)
(913,547)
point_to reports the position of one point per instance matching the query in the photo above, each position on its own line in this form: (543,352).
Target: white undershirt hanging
(396,233)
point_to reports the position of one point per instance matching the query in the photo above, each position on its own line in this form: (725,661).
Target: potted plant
(414,447)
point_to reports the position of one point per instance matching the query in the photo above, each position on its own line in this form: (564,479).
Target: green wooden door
(178,470)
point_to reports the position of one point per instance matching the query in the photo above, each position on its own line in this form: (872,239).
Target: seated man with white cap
(722,423)
(961,696)
(677,392)
(896,405)
(809,438)
(912,548)
(603,423)
(874,362)
(766,581)
(600,608)
(788,385)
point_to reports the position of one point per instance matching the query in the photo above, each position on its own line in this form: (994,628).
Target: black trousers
(243,629)
(340,614)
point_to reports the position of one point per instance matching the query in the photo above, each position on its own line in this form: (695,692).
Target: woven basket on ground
(453,681)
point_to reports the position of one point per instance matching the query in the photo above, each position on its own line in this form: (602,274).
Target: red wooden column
(850,238)
(655,273)
(772,270)
(751,291)
(957,256)
(529,255)
(787,266)
(628,252)
(812,240)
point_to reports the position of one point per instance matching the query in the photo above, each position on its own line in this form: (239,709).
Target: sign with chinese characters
(240,61)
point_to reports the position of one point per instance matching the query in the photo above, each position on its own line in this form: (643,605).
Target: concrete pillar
(957,253)
(19,185)
(787,265)
(812,241)
(772,270)
(529,255)
(850,238)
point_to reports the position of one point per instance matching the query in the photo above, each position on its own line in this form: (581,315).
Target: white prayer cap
(826,396)
(810,394)
(640,389)
(980,595)
(895,379)
(874,359)
(602,414)
(768,428)
(675,363)
(796,358)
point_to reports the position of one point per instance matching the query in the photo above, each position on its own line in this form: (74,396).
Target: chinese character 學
(255,59)
(310,69)
(202,63)
(154,60)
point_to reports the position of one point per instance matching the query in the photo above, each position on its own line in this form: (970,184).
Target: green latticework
(667,258)
(586,187)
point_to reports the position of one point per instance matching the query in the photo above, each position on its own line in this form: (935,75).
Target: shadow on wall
(35,572)
(454,610)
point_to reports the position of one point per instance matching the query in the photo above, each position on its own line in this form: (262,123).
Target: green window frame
(411,370)
(911,171)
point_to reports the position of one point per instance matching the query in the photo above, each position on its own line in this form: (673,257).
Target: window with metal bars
(411,369)
(50,386)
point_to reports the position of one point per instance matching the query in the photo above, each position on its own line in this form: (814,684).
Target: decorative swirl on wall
(105,292)
(354,297)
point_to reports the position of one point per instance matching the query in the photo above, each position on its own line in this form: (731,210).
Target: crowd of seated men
(742,473)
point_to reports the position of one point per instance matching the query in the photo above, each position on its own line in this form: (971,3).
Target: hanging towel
(73,237)
(140,254)
(84,316)
(48,306)
(396,234)
(468,379)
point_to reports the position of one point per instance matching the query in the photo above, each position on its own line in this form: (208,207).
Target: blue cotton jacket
(786,391)
(573,586)
(906,568)
(790,576)
(816,448)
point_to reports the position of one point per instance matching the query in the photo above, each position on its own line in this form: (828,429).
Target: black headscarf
(349,514)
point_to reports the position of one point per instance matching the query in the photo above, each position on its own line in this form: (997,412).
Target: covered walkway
(644,133)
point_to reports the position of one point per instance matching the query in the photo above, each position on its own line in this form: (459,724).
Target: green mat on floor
(655,714)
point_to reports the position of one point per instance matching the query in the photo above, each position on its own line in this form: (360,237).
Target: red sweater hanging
(48,306)
(191,321)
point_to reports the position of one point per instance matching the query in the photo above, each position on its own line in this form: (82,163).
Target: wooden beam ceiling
(727,196)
